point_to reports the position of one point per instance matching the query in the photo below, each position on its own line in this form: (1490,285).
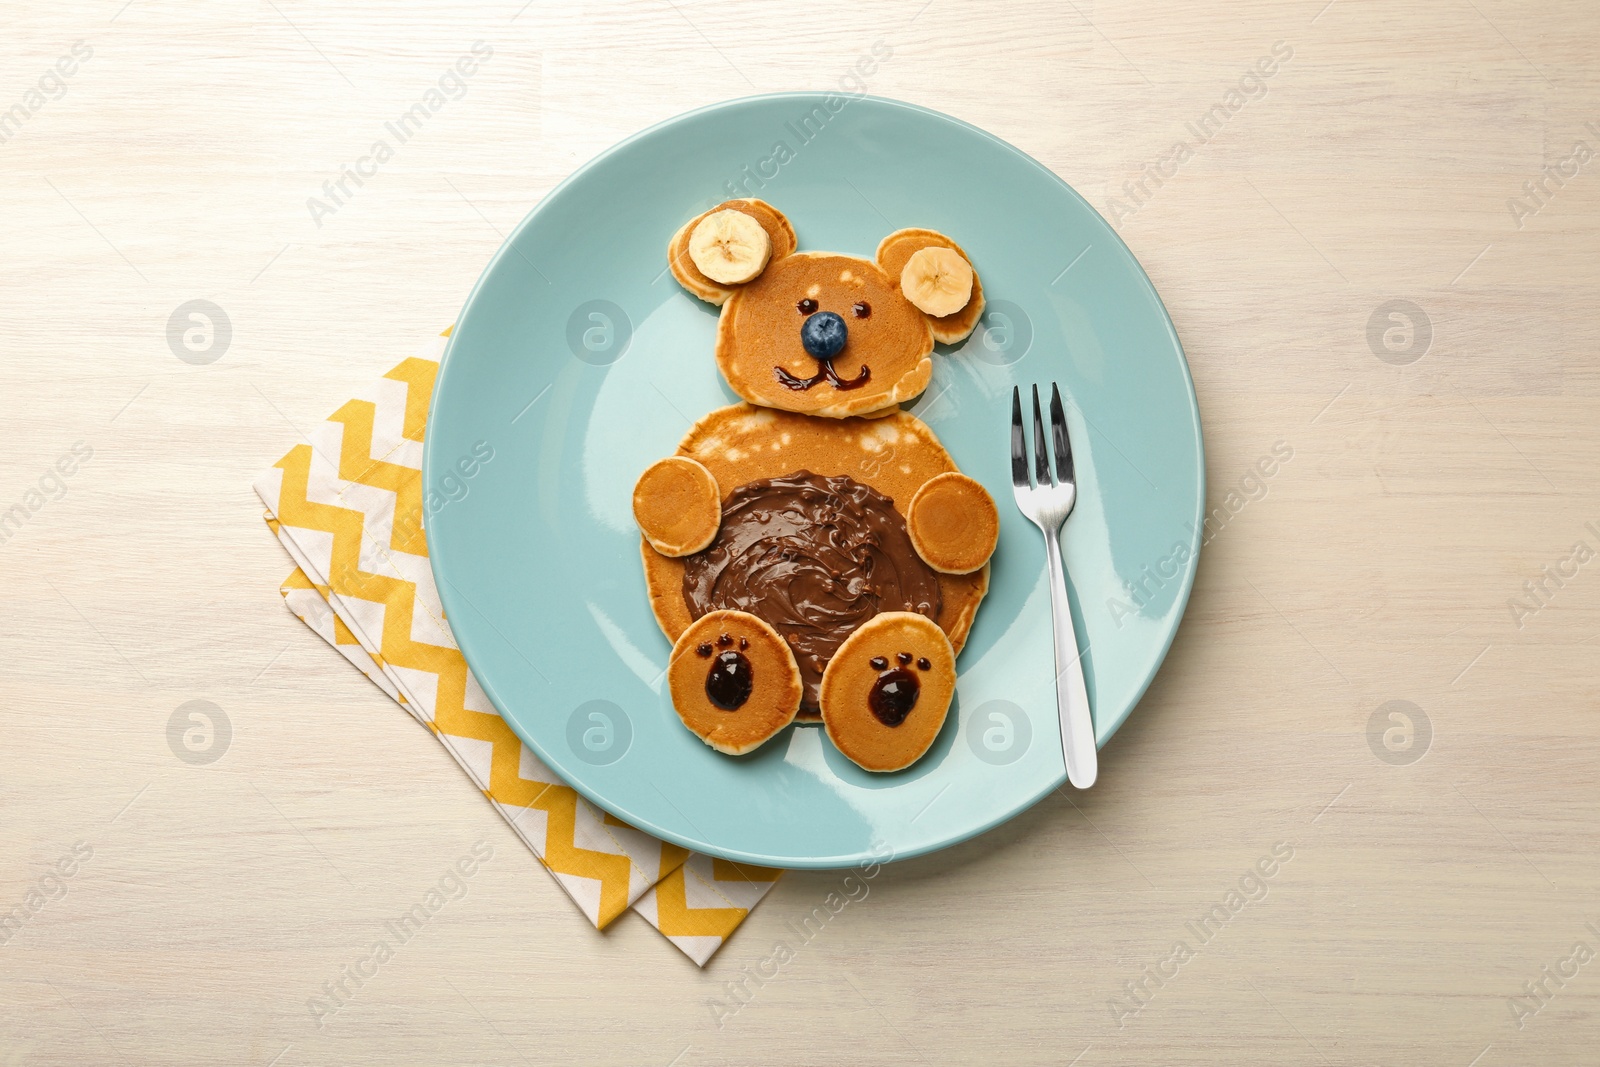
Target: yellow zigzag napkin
(347,505)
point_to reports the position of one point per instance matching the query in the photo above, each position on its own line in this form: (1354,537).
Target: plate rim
(1181,601)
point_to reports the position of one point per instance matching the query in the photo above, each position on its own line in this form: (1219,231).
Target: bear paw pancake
(677,505)
(733,680)
(886,691)
(953,523)
(896,251)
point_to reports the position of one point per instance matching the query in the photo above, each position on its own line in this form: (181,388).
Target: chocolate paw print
(730,679)
(895,692)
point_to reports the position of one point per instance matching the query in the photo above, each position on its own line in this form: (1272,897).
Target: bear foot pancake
(677,505)
(813,557)
(733,680)
(953,523)
(896,250)
(886,691)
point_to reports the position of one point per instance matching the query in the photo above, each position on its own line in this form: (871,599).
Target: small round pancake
(733,680)
(886,358)
(953,523)
(886,691)
(893,252)
(894,454)
(779,232)
(677,505)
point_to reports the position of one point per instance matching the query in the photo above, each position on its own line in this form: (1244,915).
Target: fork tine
(1041,450)
(1058,433)
(1019,444)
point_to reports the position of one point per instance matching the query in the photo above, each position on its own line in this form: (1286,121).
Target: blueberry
(823,335)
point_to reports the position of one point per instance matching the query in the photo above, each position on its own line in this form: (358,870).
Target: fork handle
(1072,699)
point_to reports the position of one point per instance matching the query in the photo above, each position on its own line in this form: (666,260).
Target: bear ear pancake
(779,232)
(900,246)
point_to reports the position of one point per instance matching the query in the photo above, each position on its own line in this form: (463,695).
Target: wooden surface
(1375,164)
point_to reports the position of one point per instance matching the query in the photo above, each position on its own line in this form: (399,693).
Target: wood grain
(1375,164)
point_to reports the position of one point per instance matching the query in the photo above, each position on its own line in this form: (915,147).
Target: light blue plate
(579,361)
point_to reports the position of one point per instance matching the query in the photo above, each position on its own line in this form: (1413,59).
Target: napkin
(347,504)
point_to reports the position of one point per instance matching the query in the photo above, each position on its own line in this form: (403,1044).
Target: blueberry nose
(823,334)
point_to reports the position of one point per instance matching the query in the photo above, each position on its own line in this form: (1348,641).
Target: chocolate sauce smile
(826,374)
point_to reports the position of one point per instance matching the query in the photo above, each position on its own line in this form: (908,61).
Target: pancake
(894,455)
(887,691)
(953,523)
(677,505)
(893,252)
(733,681)
(758,337)
(689,276)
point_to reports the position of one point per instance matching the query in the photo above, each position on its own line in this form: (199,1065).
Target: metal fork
(1048,503)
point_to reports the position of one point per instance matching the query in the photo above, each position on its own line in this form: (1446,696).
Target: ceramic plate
(578,361)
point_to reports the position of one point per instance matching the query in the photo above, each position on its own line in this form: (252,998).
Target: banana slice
(937,280)
(730,247)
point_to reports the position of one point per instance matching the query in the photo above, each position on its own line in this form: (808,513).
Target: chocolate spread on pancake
(815,557)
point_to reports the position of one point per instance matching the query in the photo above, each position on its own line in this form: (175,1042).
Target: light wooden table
(1431,477)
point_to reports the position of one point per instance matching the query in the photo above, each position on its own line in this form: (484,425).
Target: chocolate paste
(815,557)
(730,680)
(893,696)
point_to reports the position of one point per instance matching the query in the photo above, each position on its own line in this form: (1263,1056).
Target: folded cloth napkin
(347,505)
